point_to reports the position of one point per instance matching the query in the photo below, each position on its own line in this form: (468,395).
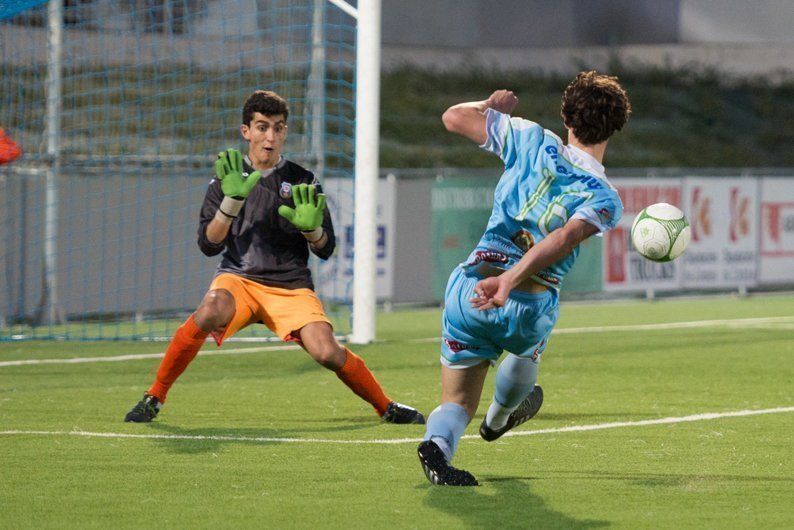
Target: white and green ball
(660,232)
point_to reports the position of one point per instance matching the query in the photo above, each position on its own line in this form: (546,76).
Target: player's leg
(218,313)
(466,351)
(517,397)
(215,311)
(317,338)
(298,315)
(461,389)
(460,395)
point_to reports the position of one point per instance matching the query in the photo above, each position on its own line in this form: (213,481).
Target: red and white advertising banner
(723,214)
(624,269)
(777,230)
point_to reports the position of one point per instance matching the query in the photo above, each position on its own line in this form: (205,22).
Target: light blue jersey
(545,184)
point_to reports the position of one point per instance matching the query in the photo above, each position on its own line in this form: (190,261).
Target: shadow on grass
(215,438)
(501,502)
(667,479)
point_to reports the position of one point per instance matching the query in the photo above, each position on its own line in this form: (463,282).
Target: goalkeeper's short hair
(264,102)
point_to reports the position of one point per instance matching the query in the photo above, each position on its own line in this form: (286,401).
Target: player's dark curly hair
(264,102)
(594,106)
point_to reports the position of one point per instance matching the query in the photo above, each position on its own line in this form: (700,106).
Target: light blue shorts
(470,336)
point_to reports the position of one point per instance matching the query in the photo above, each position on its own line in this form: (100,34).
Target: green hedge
(681,117)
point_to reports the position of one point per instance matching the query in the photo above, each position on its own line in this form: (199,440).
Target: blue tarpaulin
(11,8)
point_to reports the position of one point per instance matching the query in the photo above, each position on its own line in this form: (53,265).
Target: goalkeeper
(264,213)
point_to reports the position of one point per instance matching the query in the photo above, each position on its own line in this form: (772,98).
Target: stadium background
(712,132)
(667,413)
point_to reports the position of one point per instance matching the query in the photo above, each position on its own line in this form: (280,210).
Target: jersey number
(559,210)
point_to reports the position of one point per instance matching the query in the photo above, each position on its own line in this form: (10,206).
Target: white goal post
(368,16)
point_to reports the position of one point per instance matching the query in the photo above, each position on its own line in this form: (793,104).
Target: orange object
(281,310)
(355,374)
(284,311)
(9,150)
(186,343)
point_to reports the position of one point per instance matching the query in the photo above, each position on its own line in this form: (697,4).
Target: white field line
(731,323)
(135,357)
(393,441)
(737,322)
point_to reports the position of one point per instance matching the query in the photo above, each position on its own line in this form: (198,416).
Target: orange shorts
(283,311)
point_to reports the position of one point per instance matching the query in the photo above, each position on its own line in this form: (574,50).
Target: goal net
(120,109)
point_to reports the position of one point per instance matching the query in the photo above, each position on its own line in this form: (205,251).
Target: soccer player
(265,213)
(550,198)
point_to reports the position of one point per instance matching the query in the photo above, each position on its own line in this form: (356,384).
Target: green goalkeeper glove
(235,185)
(307,216)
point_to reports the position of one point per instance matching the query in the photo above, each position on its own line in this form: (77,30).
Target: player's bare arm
(492,292)
(468,119)
(235,186)
(218,229)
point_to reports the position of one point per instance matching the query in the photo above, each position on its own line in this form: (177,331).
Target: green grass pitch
(212,458)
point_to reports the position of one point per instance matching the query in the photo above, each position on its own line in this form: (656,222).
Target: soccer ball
(660,232)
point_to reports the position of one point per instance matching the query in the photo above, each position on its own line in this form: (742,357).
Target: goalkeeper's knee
(215,311)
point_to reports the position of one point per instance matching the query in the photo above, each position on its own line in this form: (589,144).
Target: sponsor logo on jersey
(488,256)
(589,181)
(523,240)
(548,279)
(286,190)
(455,346)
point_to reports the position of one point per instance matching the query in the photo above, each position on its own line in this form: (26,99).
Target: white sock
(497,415)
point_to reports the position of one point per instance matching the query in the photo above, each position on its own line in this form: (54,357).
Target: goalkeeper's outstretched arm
(311,217)
(209,210)
(234,188)
(218,228)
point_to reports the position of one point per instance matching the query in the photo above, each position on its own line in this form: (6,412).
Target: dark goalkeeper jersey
(261,245)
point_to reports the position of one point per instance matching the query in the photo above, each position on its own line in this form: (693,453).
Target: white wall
(737,21)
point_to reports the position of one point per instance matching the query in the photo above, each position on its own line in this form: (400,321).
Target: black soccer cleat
(145,411)
(399,413)
(526,410)
(437,469)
